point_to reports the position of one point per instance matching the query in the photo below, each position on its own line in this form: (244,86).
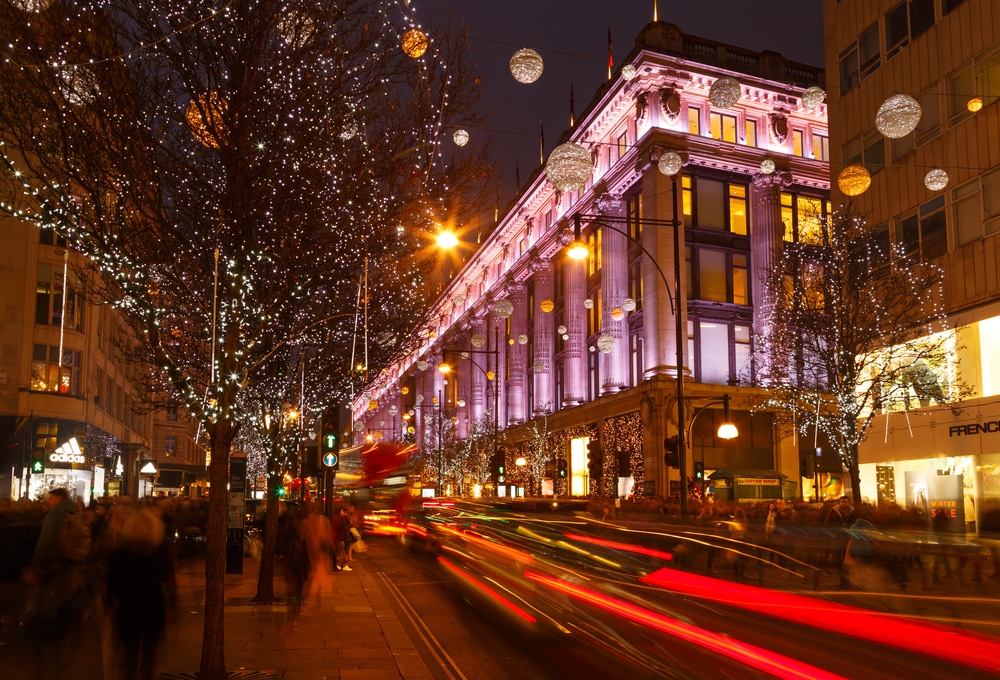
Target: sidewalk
(350,632)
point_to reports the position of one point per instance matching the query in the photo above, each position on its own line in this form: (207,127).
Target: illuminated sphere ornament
(606,343)
(350,131)
(724,92)
(588,303)
(32,5)
(405,390)
(617,313)
(415,43)
(510,341)
(522,339)
(78,85)
(670,163)
(372,405)
(205,115)
(547,306)
(767,166)
(477,340)
(569,167)
(393,410)
(503,308)
(460,137)
(526,66)
(974,104)
(422,365)
(419,399)
(854,180)
(813,97)
(628,72)
(628,304)
(565,336)
(459,301)
(898,116)
(359,426)
(936,179)
(296,28)
(538,366)
(561,330)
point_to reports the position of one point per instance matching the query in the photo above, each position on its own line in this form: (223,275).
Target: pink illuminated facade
(588,349)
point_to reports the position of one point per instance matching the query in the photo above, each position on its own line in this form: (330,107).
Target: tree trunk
(213,659)
(265,576)
(855,473)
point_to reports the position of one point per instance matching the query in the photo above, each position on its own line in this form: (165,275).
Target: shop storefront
(939,462)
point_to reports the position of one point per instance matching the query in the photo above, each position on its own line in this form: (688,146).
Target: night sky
(572,37)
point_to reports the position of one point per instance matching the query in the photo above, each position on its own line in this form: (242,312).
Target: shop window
(714,356)
(738,209)
(622,143)
(803,218)
(741,279)
(687,201)
(798,136)
(987,83)
(694,120)
(948,5)
(921,16)
(861,59)
(923,234)
(821,147)
(897,30)
(960,86)
(722,126)
(741,344)
(712,275)
(968,213)
(751,132)
(50,374)
(710,204)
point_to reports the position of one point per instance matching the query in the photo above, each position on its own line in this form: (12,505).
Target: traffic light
(699,471)
(500,468)
(595,459)
(550,469)
(804,467)
(37,465)
(671,456)
(561,469)
(330,434)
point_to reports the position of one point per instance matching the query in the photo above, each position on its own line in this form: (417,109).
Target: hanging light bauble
(606,343)
(974,104)
(510,341)
(588,303)
(205,115)
(414,43)
(670,163)
(78,85)
(295,28)
(628,304)
(419,399)
(372,405)
(32,5)
(503,308)
(724,92)
(854,180)
(561,330)
(359,426)
(936,179)
(422,365)
(522,339)
(460,137)
(565,336)
(538,366)
(477,340)
(813,97)
(767,166)
(405,390)
(393,410)
(628,72)
(898,116)
(526,66)
(617,313)
(546,305)
(349,131)
(569,167)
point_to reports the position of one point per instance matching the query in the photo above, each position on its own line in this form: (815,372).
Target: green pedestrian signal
(37,466)
(330,442)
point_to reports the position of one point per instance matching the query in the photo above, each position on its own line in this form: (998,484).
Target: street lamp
(490,376)
(675,307)
(727,430)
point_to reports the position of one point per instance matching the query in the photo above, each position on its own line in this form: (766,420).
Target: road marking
(446,663)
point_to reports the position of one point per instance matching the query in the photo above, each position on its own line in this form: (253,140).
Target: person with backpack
(62,548)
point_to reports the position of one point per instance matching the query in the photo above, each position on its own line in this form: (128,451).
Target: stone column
(544,332)
(480,400)
(496,338)
(575,349)
(614,290)
(766,243)
(518,370)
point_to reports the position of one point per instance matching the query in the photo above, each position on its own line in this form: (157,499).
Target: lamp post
(727,430)
(578,250)
(495,352)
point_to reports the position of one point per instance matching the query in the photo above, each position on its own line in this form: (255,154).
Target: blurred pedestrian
(138,576)
(344,540)
(59,571)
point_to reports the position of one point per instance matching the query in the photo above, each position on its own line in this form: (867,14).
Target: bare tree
(858,330)
(227,171)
